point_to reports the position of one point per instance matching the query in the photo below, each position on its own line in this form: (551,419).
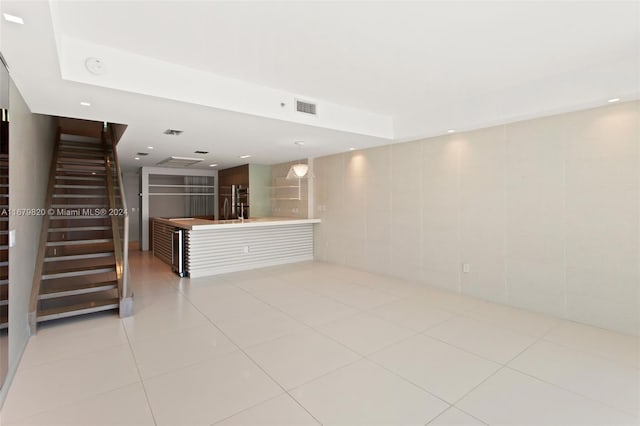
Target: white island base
(217,247)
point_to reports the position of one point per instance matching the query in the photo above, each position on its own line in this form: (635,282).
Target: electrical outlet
(466,268)
(246,249)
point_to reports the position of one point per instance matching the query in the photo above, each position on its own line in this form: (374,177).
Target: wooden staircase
(80,266)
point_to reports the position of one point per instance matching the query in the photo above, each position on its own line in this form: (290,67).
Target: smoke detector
(95,66)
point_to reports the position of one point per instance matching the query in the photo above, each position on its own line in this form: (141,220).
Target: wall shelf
(182,193)
(180,186)
(286,192)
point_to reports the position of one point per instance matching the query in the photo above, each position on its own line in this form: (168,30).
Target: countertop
(203,224)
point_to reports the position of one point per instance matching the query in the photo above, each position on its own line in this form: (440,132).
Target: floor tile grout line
(459,409)
(595,355)
(484,357)
(249,408)
(194,363)
(387,347)
(574,392)
(257,365)
(142,383)
(543,337)
(85,354)
(424,333)
(492,323)
(262,301)
(404,379)
(372,312)
(317,329)
(363,356)
(427,390)
(348,282)
(326,373)
(29,367)
(70,403)
(502,367)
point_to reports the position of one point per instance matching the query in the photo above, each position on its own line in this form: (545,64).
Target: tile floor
(315,343)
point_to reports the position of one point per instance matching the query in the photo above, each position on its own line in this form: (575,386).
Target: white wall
(31,140)
(545,211)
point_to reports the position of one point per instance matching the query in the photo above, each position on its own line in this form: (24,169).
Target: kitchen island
(219,246)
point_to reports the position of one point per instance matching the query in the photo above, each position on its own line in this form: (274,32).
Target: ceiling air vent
(305,107)
(173,132)
(179,161)
(201,152)
(142,154)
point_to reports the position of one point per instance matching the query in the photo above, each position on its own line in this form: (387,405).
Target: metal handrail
(117,247)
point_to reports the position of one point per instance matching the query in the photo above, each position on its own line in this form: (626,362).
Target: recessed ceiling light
(93,173)
(245,156)
(352,149)
(136,158)
(212,165)
(614,100)
(149,147)
(451,131)
(13,18)
(85,104)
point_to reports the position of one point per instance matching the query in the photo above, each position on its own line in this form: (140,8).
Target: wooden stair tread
(69,257)
(70,186)
(78,272)
(75,242)
(81,249)
(79,217)
(81,228)
(89,177)
(77,309)
(49,291)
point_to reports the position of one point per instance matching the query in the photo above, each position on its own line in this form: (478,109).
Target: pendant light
(299,170)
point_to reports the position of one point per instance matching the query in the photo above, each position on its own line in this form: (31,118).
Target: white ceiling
(382,71)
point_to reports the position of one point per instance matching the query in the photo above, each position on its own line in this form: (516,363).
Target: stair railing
(120,224)
(126,300)
(44,236)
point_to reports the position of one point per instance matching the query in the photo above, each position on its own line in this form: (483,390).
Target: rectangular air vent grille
(142,154)
(201,152)
(173,132)
(179,161)
(305,107)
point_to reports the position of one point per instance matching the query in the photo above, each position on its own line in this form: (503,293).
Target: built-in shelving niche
(286,190)
(176,192)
